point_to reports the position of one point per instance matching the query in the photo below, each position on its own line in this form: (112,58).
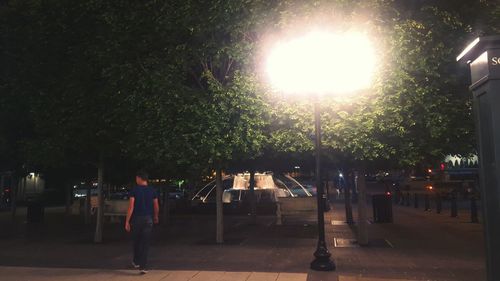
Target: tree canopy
(418,109)
(177,85)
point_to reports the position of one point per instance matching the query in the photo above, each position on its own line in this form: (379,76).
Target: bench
(115,209)
(298,207)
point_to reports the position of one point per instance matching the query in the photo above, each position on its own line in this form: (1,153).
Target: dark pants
(141,234)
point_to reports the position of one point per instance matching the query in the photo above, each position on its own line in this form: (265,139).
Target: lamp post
(322,256)
(321,63)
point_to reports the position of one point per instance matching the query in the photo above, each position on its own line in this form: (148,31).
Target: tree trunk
(68,190)
(87,205)
(219,208)
(362,224)
(2,186)
(13,196)
(166,207)
(108,191)
(347,200)
(253,204)
(100,202)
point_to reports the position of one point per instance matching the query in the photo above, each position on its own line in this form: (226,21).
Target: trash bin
(382,208)
(35,209)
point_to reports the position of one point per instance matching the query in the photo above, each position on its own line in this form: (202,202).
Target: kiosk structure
(483,57)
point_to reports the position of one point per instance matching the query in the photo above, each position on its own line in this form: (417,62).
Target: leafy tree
(414,113)
(228,113)
(171,84)
(78,68)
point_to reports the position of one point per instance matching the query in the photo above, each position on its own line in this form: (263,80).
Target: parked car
(119,195)
(174,192)
(82,193)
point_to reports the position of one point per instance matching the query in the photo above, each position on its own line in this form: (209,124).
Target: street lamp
(320,63)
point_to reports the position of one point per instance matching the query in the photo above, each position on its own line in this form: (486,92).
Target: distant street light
(322,63)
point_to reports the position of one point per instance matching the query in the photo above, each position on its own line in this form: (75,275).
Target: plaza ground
(418,245)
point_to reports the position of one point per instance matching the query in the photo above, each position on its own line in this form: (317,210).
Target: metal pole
(100,201)
(473,210)
(438,203)
(427,202)
(322,261)
(454,212)
(362,224)
(347,199)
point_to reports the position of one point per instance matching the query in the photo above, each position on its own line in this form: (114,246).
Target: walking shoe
(134,265)
(143,271)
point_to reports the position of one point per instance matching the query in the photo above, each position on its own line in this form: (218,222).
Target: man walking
(142,212)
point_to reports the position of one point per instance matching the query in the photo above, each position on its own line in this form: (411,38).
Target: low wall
(295,206)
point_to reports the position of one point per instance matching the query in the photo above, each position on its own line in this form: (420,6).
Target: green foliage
(225,121)
(419,108)
(173,84)
(234,116)
(423,98)
(291,125)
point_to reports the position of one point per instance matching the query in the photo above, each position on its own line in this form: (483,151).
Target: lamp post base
(322,262)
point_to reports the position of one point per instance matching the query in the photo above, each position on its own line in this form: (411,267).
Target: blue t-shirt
(143,203)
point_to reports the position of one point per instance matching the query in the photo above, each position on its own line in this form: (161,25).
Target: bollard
(438,203)
(473,210)
(279,217)
(348,205)
(416,201)
(407,199)
(427,203)
(396,196)
(401,198)
(453,205)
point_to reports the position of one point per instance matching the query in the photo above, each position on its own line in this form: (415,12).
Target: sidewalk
(421,246)
(42,274)
(39,274)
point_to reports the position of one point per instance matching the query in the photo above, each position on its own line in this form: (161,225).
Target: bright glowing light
(322,62)
(467,49)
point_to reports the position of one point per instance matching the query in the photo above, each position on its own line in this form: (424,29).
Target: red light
(388,193)
(7,190)
(442,166)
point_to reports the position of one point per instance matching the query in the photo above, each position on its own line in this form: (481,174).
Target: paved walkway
(56,274)
(41,274)
(419,245)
